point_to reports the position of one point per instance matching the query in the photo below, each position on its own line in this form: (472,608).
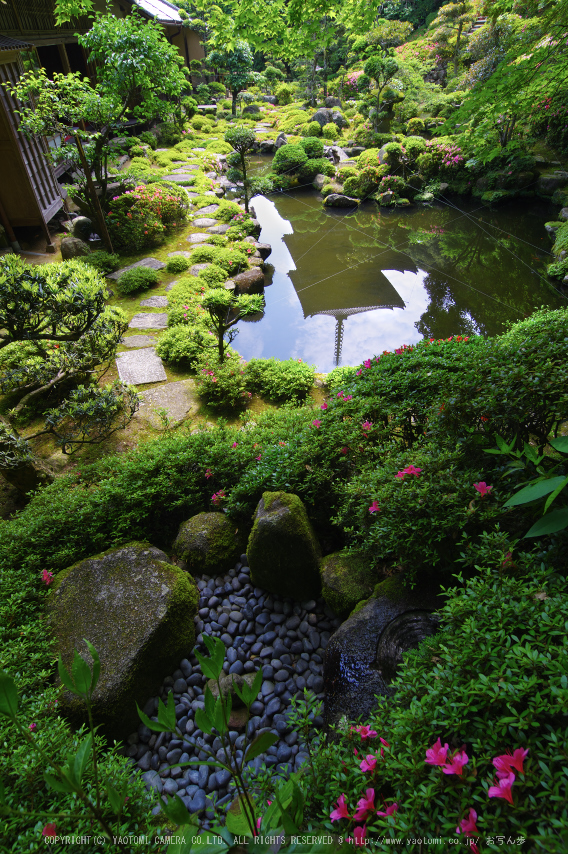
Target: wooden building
(30,193)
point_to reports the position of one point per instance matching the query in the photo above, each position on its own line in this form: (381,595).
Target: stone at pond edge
(283,550)
(138,612)
(357,665)
(346,579)
(207,542)
(250,282)
(338,200)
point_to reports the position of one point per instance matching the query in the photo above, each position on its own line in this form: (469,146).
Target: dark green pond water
(348,285)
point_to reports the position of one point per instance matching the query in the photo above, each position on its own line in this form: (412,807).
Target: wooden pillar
(64,58)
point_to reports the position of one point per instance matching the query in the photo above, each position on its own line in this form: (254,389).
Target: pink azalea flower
(32,727)
(340,810)
(482,488)
(389,810)
(367,425)
(323,407)
(348,397)
(365,805)
(369,763)
(374,508)
(456,763)
(364,731)
(467,825)
(367,363)
(340,394)
(408,470)
(258,459)
(234,445)
(49,829)
(208,473)
(382,740)
(359,835)
(503,789)
(436,755)
(358,373)
(47,577)
(316,423)
(507,761)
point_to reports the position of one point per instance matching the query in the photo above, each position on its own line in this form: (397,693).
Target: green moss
(346,579)
(391,588)
(283,550)
(106,599)
(561,242)
(208,542)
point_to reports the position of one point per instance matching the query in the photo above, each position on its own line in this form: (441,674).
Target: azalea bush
(140,218)
(291,379)
(222,385)
(471,744)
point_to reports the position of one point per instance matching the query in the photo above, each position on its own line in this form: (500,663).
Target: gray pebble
(153,781)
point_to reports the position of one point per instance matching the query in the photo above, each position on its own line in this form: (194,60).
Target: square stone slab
(180,252)
(204,222)
(149,321)
(140,366)
(154,302)
(152,263)
(138,341)
(198,238)
(177,179)
(179,399)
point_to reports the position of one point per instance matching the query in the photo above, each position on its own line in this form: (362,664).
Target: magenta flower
(208,473)
(456,763)
(234,445)
(503,789)
(47,577)
(323,407)
(348,397)
(359,835)
(364,731)
(365,805)
(374,508)
(340,394)
(367,363)
(436,755)
(507,761)
(389,810)
(316,423)
(340,810)
(467,825)
(408,470)
(49,829)
(358,373)
(367,425)
(32,727)
(482,488)
(369,763)
(258,459)
(344,449)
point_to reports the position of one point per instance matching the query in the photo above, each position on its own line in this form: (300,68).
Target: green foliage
(179,264)
(330,131)
(311,168)
(285,94)
(141,217)
(179,345)
(222,385)
(169,135)
(312,146)
(213,277)
(314,129)
(103,262)
(138,279)
(344,172)
(279,380)
(415,127)
(289,158)
(148,138)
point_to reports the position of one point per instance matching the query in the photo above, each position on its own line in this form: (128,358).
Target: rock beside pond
(73,247)
(563,215)
(281,140)
(263,249)
(550,182)
(137,610)
(250,282)
(318,181)
(338,200)
(283,550)
(365,651)
(207,542)
(346,579)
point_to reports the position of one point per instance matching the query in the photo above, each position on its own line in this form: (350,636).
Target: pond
(348,285)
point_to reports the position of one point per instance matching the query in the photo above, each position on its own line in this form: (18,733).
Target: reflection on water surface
(346,286)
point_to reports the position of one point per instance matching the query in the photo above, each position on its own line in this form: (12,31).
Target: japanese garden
(283,426)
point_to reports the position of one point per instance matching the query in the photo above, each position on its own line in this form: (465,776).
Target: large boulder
(138,612)
(252,109)
(330,101)
(73,247)
(283,550)
(82,227)
(208,542)
(322,116)
(549,182)
(364,653)
(250,282)
(338,200)
(346,579)
(339,119)
(281,140)
(319,181)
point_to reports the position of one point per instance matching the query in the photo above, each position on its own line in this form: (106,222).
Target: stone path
(179,399)
(176,178)
(138,341)
(198,238)
(149,321)
(286,638)
(204,222)
(154,302)
(181,252)
(210,209)
(152,263)
(140,366)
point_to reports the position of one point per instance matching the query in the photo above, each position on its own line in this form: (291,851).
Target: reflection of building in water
(342,314)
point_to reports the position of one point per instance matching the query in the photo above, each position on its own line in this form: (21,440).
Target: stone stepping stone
(180,252)
(196,269)
(204,222)
(218,229)
(138,341)
(179,399)
(210,209)
(184,171)
(171,285)
(191,194)
(175,178)
(149,321)
(198,149)
(210,174)
(154,302)
(223,181)
(152,263)
(198,238)
(140,366)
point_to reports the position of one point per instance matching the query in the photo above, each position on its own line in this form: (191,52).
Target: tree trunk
(456,54)
(234,93)
(29,476)
(245,180)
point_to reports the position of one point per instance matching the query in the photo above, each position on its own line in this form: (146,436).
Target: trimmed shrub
(279,380)
(330,131)
(415,127)
(138,279)
(179,264)
(182,345)
(312,146)
(285,94)
(104,262)
(370,157)
(289,158)
(141,217)
(222,385)
(345,172)
(148,138)
(314,167)
(213,277)
(314,129)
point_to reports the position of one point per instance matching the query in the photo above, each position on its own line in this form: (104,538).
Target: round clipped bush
(312,146)
(330,131)
(182,345)
(289,158)
(104,262)
(345,172)
(316,166)
(285,94)
(138,279)
(279,380)
(222,385)
(213,276)
(178,264)
(415,127)
(370,157)
(314,129)
(351,187)
(198,121)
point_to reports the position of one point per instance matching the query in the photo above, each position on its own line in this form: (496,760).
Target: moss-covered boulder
(346,578)
(208,542)
(283,550)
(138,611)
